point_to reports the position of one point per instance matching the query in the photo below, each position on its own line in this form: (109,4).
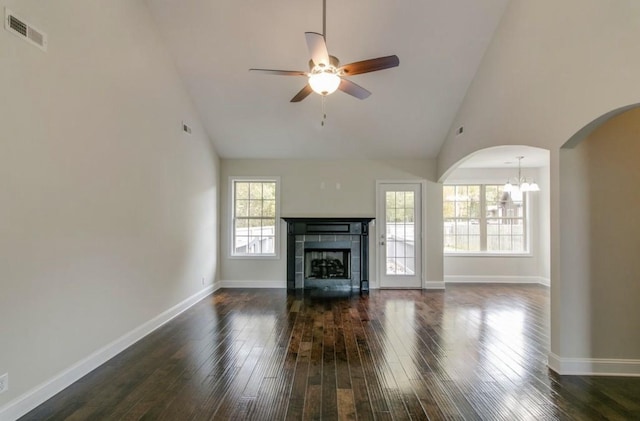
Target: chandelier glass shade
(520,184)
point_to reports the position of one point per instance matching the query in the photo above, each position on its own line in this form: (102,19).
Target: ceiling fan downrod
(324,19)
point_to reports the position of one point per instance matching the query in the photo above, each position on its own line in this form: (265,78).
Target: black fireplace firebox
(327,264)
(328,253)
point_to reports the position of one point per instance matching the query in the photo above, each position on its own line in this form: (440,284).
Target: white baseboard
(434,285)
(427,285)
(544,281)
(594,366)
(34,397)
(478,279)
(253,284)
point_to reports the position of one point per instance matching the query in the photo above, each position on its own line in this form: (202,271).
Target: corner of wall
(39,394)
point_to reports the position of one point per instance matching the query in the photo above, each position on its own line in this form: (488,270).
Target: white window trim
(232,203)
(486,254)
(483,236)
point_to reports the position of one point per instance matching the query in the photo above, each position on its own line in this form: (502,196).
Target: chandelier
(521,184)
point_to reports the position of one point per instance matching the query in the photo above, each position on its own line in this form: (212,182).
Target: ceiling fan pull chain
(324,112)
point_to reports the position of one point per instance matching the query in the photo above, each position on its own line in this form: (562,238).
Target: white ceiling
(248,115)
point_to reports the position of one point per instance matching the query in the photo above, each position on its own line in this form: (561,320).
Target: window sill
(254,256)
(488,254)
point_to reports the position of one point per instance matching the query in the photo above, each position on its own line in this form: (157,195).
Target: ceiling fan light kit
(325,74)
(324,80)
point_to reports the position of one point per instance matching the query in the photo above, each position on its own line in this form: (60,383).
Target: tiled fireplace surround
(328,233)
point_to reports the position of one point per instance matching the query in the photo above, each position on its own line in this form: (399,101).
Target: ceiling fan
(325,74)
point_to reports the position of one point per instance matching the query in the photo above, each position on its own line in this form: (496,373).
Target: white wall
(532,268)
(302,195)
(109,212)
(553,68)
(600,207)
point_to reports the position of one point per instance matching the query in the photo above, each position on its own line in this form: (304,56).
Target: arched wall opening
(599,247)
(493,167)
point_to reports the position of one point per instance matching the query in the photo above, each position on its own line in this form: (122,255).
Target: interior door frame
(379,214)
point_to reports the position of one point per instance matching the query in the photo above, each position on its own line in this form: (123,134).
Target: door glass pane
(400,233)
(410,265)
(391,249)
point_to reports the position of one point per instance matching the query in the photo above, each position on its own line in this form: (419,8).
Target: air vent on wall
(20,28)
(186,128)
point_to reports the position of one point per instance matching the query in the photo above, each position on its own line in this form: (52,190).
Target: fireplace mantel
(329,229)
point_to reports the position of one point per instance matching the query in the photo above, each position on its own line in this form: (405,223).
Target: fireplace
(327,264)
(328,253)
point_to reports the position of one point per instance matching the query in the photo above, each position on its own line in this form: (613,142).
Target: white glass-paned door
(399,235)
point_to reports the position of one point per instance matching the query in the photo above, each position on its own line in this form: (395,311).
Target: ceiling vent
(20,28)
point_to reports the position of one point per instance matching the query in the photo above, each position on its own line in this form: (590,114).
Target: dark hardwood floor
(474,352)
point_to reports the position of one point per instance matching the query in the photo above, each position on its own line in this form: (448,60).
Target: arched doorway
(599,246)
(488,239)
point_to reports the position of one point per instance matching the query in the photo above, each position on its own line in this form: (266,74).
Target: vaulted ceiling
(248,115)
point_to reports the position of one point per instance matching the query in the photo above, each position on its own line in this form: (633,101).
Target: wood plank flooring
(472,352)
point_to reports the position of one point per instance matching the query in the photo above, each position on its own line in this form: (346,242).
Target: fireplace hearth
(328,253)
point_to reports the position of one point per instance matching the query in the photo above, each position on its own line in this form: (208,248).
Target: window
(483,218)
(400,227)
(255,216)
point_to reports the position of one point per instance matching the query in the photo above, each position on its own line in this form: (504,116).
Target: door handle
(382,243)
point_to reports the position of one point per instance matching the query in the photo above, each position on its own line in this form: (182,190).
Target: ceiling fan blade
(353,89)
(304,92)
(317,48)
(280,72)
(370,65)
